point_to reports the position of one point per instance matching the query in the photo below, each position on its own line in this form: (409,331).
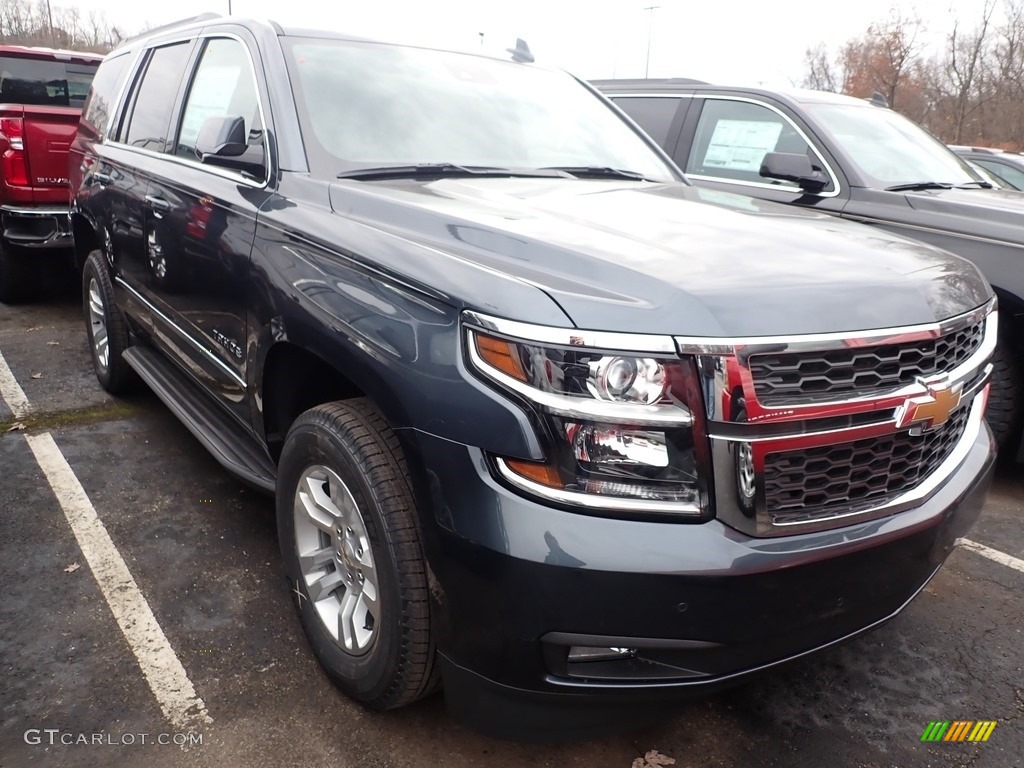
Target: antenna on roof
(879,100)
(521,53)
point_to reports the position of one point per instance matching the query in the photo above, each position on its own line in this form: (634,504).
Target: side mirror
(222,136)
(795,167)
(223,141)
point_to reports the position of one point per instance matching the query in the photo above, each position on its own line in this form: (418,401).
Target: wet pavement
(202,549)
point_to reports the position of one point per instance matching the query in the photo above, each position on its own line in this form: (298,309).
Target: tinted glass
(365,104)
(734,136)
(102,96)
(654,115)
(888,149)
(223,85)
(1008,173)
(44,83)
(154,102)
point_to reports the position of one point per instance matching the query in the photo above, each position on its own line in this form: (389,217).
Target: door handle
(158,204)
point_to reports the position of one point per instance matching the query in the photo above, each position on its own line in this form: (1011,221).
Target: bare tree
(821,73)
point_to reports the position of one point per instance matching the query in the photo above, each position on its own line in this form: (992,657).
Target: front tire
(105,328)
(1004,401)
(351,548)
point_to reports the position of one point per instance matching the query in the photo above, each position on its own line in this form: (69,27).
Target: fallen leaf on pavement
(653,759)
(33,328)
(16,427)
(37,375)
(53,343)
(75,566)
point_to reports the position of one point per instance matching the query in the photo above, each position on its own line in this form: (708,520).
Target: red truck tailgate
(47,133)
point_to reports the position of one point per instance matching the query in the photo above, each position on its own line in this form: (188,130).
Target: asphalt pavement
(83,685)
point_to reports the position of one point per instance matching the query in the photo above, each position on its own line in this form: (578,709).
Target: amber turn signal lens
(500,354)
(544,474)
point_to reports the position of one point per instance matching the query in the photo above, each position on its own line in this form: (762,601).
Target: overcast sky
(723,41)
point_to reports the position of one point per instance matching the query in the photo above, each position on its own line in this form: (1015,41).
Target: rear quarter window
(102,99)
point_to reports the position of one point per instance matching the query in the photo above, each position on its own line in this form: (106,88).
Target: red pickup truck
(41,95)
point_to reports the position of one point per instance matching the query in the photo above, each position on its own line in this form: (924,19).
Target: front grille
(787,378)
(811,484)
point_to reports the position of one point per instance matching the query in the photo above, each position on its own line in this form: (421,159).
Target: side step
(230,445)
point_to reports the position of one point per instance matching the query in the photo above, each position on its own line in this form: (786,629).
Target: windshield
(44,83)
(371,105)
(888,149)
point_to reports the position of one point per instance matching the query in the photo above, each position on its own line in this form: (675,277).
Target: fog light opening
(581,653)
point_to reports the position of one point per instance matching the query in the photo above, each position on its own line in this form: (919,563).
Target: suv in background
(41,96)
(541,419)
(850,158)
(1007,167)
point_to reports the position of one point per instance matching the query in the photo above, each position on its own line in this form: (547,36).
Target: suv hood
(670,258)
(989,213)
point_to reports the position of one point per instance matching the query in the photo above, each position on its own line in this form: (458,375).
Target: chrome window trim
(215,170)
(725,346)
(596,502)
(184,334)
(758,185)
(580,407)
(571,337)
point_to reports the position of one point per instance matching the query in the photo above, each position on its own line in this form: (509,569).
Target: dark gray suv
(542,421)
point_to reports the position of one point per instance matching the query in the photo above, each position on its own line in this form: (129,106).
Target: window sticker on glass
(740,145)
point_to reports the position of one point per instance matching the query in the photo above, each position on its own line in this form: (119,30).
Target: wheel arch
(86,238)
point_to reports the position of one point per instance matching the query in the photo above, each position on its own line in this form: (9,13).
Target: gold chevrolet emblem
(932,409)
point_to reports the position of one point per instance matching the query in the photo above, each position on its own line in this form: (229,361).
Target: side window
(1003,171)
(654,115)
(734,136)
(155,96)
(223,86)
(101,101)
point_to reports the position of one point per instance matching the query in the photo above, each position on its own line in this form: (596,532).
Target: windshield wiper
(437,170)
(975,185)
(918,186)
(598,171)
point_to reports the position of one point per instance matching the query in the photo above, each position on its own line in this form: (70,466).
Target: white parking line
(12,393)
(163,670)
(993,554)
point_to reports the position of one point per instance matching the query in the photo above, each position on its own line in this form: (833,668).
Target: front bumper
(516,583)
(48,227)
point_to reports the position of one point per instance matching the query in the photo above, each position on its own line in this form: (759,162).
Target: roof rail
(207,16)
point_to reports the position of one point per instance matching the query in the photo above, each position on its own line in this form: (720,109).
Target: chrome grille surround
(940,410)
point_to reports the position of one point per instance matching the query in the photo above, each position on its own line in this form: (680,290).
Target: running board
(230,445)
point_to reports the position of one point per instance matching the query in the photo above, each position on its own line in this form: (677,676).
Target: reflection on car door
(201,224)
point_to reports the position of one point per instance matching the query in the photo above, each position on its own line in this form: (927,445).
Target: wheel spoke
(347,631)
(342,501)
(325,585)
(319,509)
(316,560)
(369,598)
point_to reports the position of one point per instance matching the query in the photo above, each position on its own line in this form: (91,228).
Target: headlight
(624,432)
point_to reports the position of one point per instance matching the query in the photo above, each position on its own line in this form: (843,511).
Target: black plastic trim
(236,451)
